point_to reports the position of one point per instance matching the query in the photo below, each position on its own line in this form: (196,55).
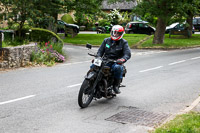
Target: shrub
(67,18)
(104,22)
(43,35)
(48,53)
(9,42)
(114,17)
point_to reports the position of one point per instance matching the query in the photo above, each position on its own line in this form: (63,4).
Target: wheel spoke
(85,94)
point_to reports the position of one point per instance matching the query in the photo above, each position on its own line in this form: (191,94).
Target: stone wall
(15,57)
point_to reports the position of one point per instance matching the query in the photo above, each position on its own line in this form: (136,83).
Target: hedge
(44,35)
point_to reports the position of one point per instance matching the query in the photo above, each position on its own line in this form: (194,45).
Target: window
(198,21)
(194,21)
(141,25)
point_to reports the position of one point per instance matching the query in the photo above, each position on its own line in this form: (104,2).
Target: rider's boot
(116,84)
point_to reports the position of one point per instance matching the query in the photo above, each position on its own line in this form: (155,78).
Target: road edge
(184,111)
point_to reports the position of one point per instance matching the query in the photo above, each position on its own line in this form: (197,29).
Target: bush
(9,42)
(43,35)
(48,53)
(68,19)
(104,22)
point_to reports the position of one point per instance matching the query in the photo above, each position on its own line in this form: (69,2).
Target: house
(122,5)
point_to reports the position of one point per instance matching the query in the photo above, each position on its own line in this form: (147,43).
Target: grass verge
(186,123)
(97,39)
(176,41)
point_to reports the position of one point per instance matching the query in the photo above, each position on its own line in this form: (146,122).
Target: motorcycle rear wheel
(85,95)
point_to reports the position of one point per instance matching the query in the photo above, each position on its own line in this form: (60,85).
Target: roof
(143,22)
(118,5)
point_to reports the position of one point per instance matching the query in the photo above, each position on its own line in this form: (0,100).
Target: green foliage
(186,123)
(43,35)
(48,53)
(125,17)
(169,10)
(164,11)
(43,13)
(42,58)
(87,20)
(17,11)
(104,22)
(114,17)
(68,19)
(8,42)
(87,12)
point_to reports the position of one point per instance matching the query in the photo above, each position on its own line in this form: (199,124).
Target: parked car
(139,28)
(196,23)
(62,25)
(177,26)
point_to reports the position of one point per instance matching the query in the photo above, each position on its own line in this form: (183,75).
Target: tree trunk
(53,24)
(189,21)
(160,32)
(20,28)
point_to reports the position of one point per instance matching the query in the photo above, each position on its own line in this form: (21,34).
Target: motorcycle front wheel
(85,95)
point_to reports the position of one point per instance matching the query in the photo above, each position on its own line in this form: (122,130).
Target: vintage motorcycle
(98,81)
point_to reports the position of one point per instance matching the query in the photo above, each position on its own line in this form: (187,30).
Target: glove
(120,61)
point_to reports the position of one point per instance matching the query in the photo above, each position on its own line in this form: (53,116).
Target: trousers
(116,68)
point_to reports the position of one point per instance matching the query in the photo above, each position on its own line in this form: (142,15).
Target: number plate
(97,62)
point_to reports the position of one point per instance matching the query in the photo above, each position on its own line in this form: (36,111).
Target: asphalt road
(44,99)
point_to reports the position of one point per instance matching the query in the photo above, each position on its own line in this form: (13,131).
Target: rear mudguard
(91,75)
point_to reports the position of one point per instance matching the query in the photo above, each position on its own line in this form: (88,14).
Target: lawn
(186,123)
(176,41)
(97,39)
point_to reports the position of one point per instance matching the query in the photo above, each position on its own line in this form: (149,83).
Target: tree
(86,9)
(191,8)
(164,11)
(45,15)
(18,12)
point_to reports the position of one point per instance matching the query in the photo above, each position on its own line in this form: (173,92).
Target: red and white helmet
(117,32)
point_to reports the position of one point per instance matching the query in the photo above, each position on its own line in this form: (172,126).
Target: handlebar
(104,58)
(92,54)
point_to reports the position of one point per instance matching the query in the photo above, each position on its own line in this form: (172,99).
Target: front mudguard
(90,75)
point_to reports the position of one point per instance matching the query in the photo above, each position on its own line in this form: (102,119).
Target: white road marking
(74,85)
(176,62)
(195,58)
(150,69)
(15,100)
(147,53)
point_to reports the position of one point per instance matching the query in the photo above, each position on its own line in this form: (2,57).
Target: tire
(75,31)
(131,32)
(85,96)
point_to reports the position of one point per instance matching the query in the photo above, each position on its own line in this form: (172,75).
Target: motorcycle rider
(115,47)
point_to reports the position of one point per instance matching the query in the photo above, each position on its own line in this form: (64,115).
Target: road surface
(44,99)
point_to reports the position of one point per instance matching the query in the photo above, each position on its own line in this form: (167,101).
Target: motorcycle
(98,81)
(106,29)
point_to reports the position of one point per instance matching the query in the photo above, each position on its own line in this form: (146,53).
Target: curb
(184,111)
(140,42)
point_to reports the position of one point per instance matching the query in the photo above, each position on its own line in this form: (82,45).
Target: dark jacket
(115,49)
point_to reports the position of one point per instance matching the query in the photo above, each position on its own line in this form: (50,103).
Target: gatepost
(1,43)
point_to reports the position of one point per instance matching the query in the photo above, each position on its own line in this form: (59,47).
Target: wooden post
(1,43)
